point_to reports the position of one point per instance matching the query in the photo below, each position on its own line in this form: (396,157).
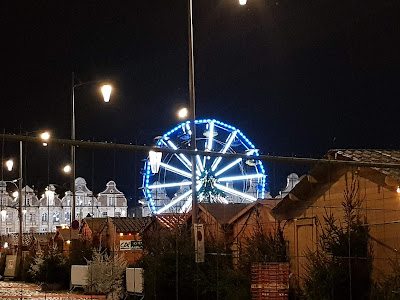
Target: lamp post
(192,111)
(106,91)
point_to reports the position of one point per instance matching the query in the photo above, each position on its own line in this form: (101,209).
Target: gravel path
(20,290)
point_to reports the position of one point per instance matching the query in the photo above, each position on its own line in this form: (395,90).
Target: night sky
(297,77)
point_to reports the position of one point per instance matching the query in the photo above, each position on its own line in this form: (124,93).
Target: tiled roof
(170,220)
(27,238)
(131,225)
(224,212)
(95,224)
(374,156)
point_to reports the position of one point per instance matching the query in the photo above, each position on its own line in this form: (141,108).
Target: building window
(32,218)
(110,200)
(104,214)
(56,217)
(67,217)
(9,217)
(44,218)
(117,214)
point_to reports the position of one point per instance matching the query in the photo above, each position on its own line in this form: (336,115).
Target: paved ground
(19,290)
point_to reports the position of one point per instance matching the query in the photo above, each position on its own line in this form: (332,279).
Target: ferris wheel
(218,180)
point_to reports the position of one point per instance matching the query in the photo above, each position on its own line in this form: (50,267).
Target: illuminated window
(67,217)
(56,217)
(44,218)
(9,217)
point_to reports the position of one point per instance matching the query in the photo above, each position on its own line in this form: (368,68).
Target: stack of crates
(270,281)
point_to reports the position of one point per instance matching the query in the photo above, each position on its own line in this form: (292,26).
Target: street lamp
(183,113)
(242,2)
(9,164)
(106,91)
(67,169)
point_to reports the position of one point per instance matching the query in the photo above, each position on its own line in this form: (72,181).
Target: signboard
(126,245)
(199,242)
(11,266)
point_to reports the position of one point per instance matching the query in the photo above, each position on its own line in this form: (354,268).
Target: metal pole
(73,147)
(192,113)
(20,208)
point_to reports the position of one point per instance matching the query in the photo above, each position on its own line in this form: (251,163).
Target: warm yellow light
(9,164)
(15,194)
(242,2)
(183,113)
(106,91)
(68,242)
(121,234)
(398,190)
(45,136)
(67,169)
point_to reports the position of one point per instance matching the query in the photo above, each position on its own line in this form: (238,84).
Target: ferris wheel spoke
(175,170)
(228,143)
(175,201)
(181,157)
(199,163)
(210,136)
(235,192)
(187,205)
(243,177)
(165,185)
(226,168)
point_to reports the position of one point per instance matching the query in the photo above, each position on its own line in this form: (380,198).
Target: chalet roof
(224,212)
(171,220)
(290,204)
(131,225)
(95,224)
(364,155)
(27,238)
(68,234)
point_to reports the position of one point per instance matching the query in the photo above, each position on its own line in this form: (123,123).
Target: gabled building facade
(48,212)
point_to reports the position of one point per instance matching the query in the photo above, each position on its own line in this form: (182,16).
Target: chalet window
(117,214)
(104,214)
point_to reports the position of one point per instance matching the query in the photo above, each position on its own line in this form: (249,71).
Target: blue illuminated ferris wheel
(219,180)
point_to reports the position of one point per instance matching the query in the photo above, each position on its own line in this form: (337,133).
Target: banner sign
(199,242)
(126,245)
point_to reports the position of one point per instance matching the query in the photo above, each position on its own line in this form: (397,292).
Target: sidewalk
(21,290)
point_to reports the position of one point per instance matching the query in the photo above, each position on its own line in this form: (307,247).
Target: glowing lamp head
(9,164)
(398,190)
(68,242)
(183,113)
(45,136)
(67,169)
(15,194)
(5,245)
(106,91)
(242,2)
(121,234)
